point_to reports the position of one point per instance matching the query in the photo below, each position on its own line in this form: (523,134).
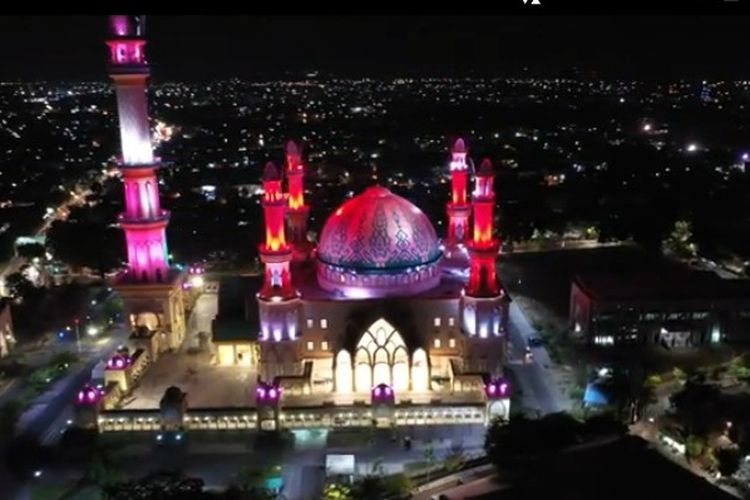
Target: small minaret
(297,212)
(275,253)
(277,297)
(458,208)
(144,221)
(485,305)
(484,247)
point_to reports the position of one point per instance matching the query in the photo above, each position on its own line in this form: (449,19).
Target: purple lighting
(382,392)
(88,395)
(118,362)
(267,393)
(120,25)
(498,388)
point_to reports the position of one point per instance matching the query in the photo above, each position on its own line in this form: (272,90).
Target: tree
(102,471)
(455,458)
(337,491)
(429,456)
(18,285)
(378,487)
(9,414)
(252,480)
(163,485)
(679,243)
(86,244)
(696,408)
(694,446)
(603,425)
(368,488)
(31,250)
(728,460)
(523,439)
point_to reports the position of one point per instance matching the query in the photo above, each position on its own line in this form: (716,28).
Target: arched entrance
(343,372)
(420,371)
(381,358)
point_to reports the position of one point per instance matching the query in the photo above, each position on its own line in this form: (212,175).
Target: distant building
(7,339)
(674,309)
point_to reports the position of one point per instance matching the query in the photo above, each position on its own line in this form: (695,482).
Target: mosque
(381,304)
(381,299)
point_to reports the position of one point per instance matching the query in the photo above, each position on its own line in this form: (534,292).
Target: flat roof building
(674,308)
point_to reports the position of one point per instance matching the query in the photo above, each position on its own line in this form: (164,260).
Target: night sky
(203,47)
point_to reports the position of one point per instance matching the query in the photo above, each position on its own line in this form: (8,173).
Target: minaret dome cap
(485,168)
(459,146)
(292,149)
(270,172)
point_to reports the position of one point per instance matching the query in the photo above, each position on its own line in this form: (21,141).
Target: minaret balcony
(160,216)
(129,69)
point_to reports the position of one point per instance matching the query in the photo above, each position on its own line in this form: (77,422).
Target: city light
(92,330)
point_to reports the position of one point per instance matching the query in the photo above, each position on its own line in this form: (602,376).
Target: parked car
(535,342)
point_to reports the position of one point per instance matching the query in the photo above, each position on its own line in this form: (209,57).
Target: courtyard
(206,385)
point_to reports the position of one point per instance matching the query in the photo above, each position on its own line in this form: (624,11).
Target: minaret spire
(484,247)
(484,304)
(298,211)
(458,208)
(144,221)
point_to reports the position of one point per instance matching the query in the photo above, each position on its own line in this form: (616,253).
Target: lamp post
(78,335)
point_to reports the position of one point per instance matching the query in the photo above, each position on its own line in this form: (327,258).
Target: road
(76,199)
(537,382)
(219,457)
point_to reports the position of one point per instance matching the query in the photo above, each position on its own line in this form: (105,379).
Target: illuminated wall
(143,220)
(458,209)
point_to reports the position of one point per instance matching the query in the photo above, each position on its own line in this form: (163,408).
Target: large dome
(374,235)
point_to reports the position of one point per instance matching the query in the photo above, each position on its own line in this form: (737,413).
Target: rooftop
(237,317)
(666,285)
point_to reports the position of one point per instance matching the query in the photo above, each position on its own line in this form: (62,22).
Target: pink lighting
(405,260)
(88,395)
(483,247)
(118,362)
(498,388)
(275,252)
(458,208)
(143,220)
(120,25)
(267,393)
(124,52)
(382,392)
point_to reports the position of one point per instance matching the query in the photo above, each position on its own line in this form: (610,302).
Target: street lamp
(78,335)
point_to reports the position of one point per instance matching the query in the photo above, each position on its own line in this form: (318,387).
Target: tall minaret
(144,221)
(297,210)
(484,301)
(458,208)
(151,292)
